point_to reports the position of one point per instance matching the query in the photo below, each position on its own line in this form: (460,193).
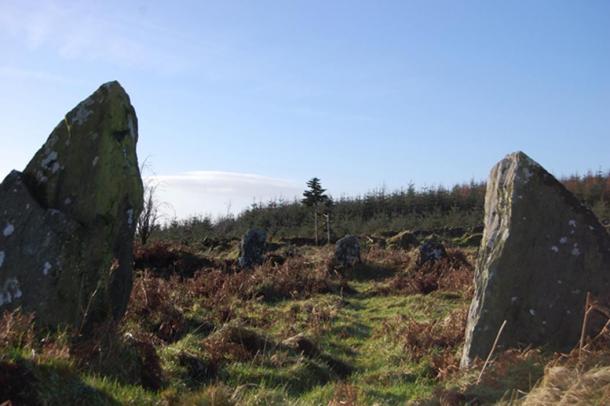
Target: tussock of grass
(571,386)
(578,378)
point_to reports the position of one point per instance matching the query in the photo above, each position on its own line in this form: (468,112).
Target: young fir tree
(314,197)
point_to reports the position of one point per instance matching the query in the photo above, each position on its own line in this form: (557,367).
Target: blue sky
(248,99)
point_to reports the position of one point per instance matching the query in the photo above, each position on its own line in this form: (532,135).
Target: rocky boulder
(252,248)
(541,252)
(430,250)
(67,221)
(347,252)
(302,344)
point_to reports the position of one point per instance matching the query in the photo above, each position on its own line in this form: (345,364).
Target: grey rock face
(431,250)
(252,248)
(541,252)
(68,220)
(347,251)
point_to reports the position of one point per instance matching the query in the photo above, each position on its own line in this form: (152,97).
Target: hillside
(292,331)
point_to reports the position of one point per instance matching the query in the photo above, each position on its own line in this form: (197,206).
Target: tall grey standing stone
(252,248)
(67,221)
(347,251)
(541,252)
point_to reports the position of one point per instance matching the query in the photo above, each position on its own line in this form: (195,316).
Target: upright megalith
(252,248)
(541,252)
(430,250)
(69,217)
(347,252)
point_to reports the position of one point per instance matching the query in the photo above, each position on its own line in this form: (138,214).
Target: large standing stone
(67,221)
(347,251)
(252,248)
(541,252)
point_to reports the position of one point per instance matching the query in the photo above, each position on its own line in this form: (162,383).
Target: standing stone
(252,248)
(541,252)
(431,250)
(347,251)
(67,221)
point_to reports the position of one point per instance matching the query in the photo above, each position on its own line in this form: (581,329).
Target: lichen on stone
(46,268)
(9,229)
(10,291)
(82,113)
(48,160)
(132,128)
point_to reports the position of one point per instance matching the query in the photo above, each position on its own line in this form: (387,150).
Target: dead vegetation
(17,330)
(166,259)
(531,377)
(435,342)
(581,377)
(344,395)
(215,317)
(453,273)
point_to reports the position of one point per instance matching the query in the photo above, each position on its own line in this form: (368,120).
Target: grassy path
(362,335)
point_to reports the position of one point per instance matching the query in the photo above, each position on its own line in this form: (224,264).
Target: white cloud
(216,192)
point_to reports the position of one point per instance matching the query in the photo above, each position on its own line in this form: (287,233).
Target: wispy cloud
(217,192)
(92,31)
(10,72)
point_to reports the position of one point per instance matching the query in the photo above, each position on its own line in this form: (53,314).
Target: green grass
(362,357)
(352,330)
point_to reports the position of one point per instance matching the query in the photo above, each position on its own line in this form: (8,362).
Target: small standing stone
(252,248)
(431,250)
(347,251)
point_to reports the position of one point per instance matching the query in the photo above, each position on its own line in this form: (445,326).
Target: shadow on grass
(369,272)
(356,330)
(25,382)
(386,397)
(296,379)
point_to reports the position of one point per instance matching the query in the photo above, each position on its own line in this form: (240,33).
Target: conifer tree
(314,197)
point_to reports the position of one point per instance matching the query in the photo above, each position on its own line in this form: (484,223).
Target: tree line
(377,211)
